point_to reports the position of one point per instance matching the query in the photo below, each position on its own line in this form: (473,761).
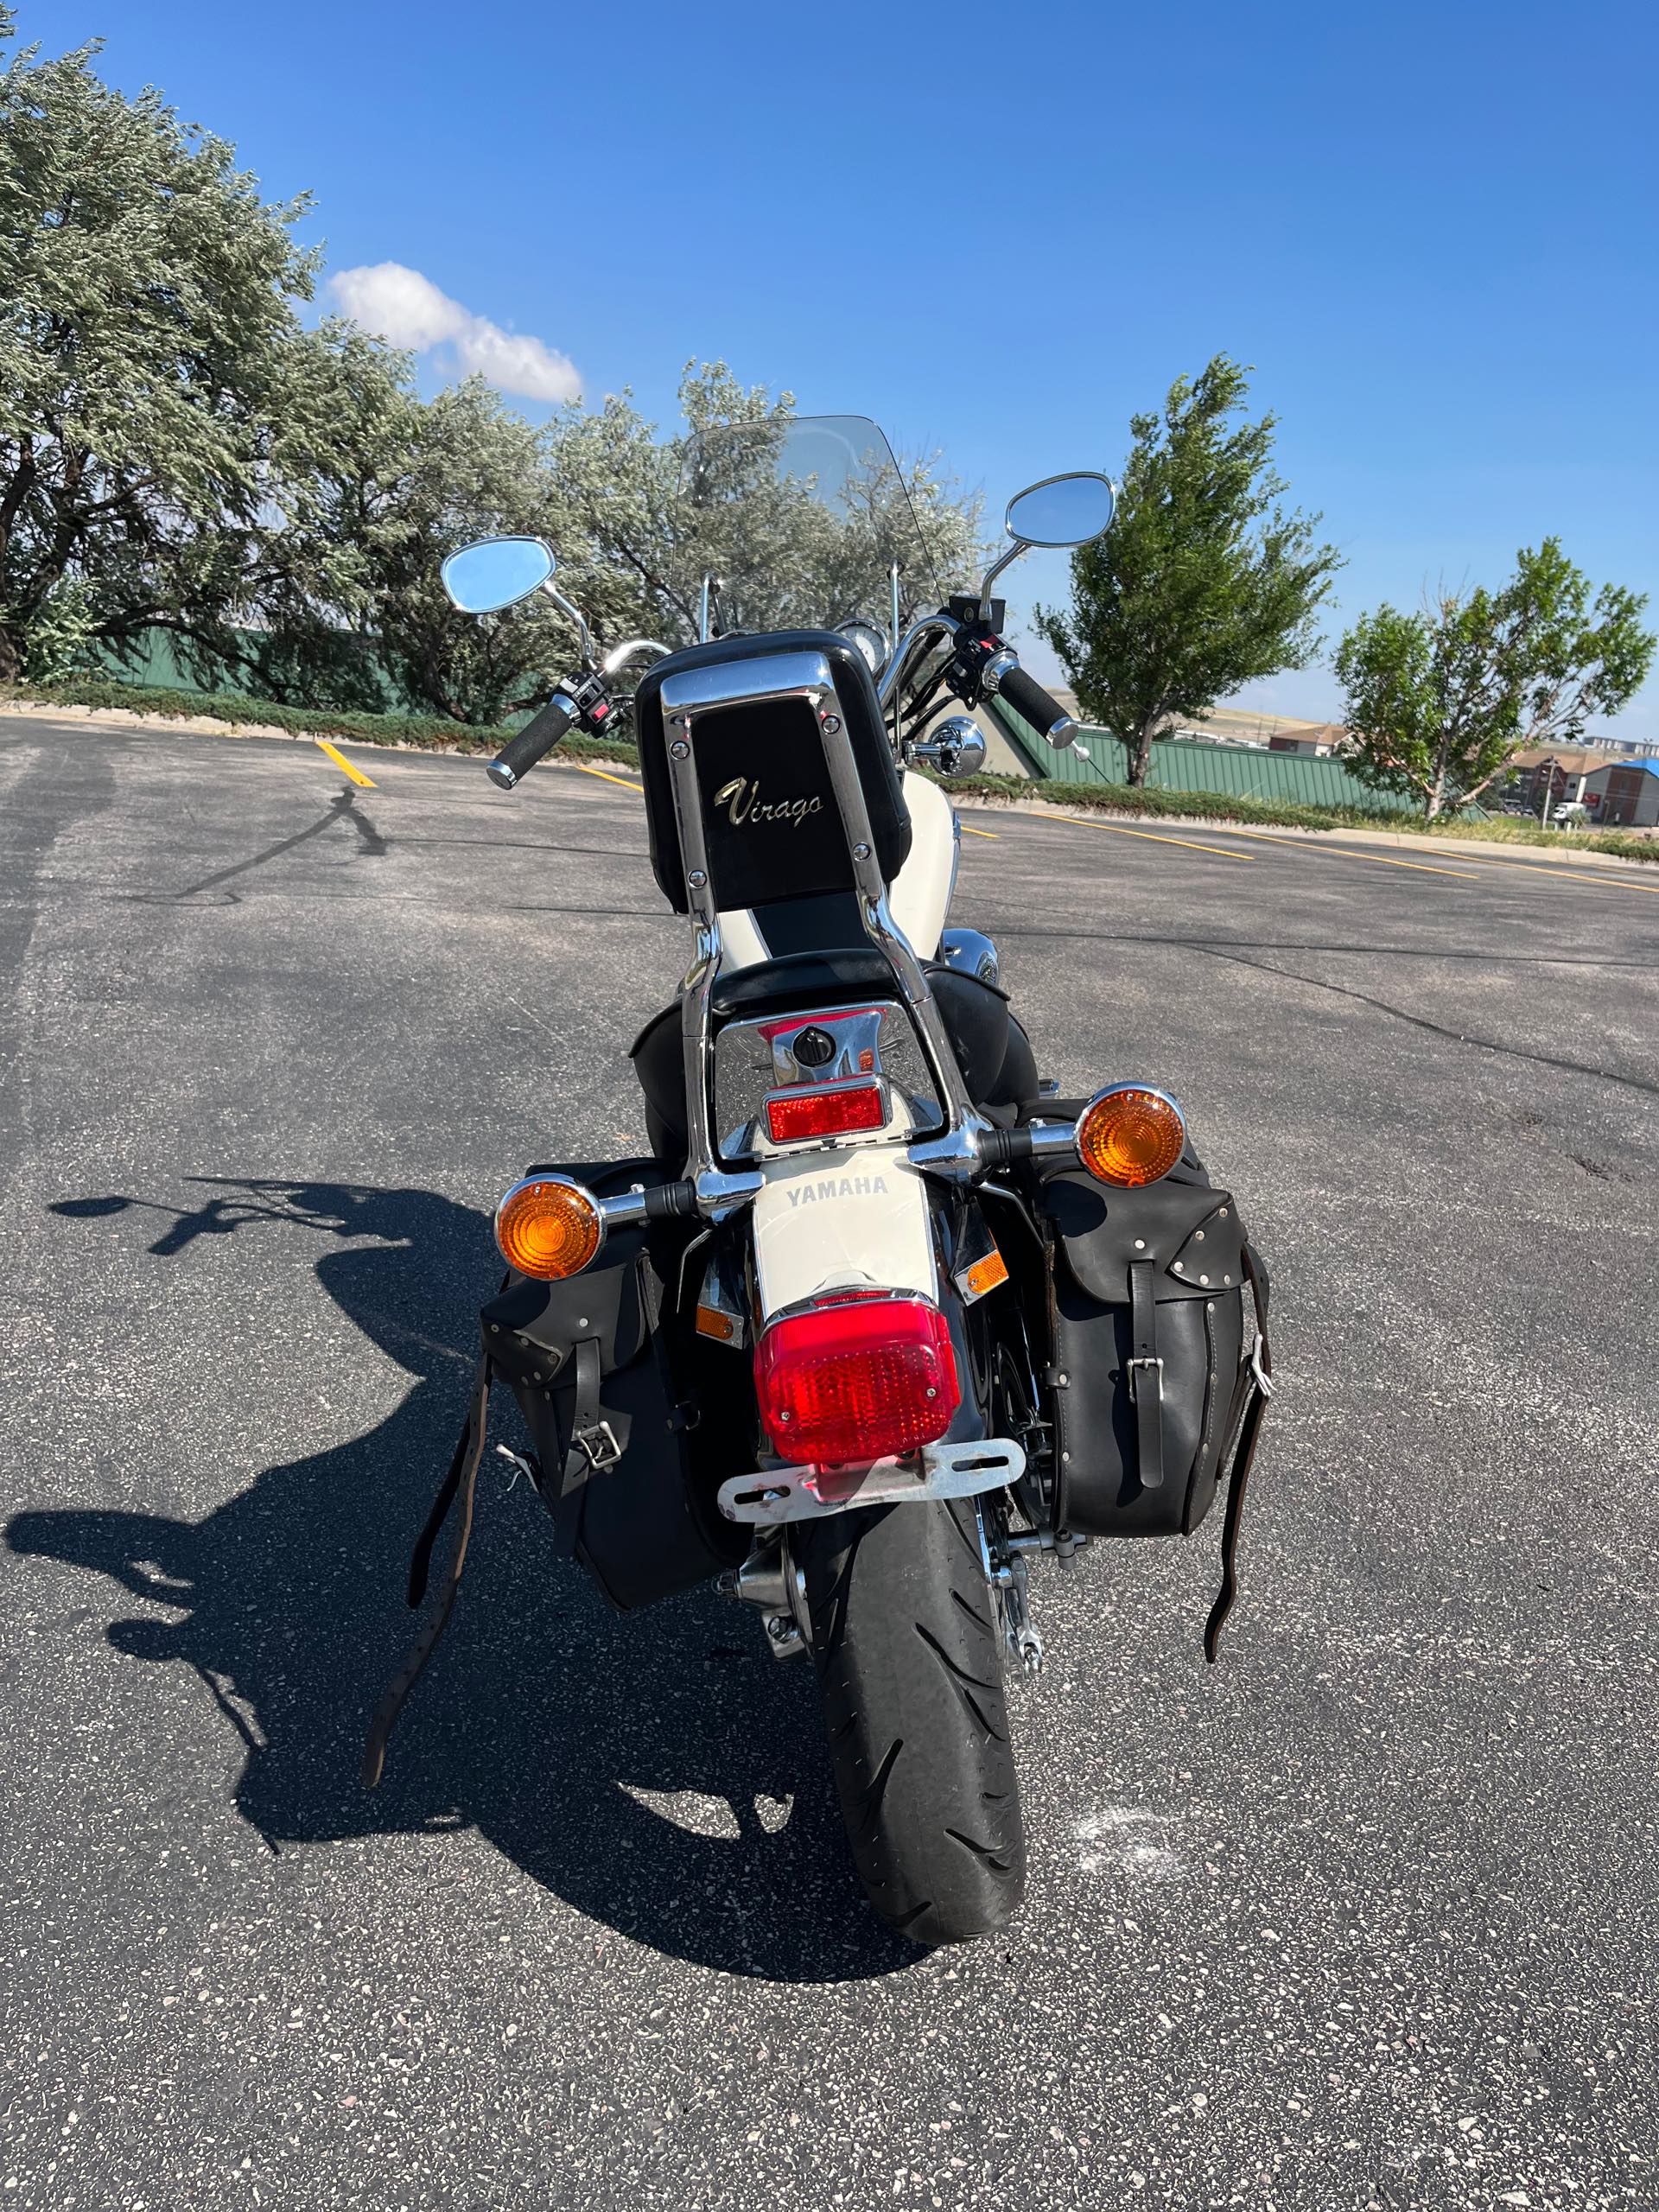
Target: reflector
(1130,1135)
(856,1378)
(835,1109)
(549,1227)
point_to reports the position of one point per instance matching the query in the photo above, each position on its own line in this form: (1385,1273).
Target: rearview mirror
(496,572)
(1062,510)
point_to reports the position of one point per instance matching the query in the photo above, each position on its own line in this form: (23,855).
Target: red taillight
(830,1110)
(858,1378)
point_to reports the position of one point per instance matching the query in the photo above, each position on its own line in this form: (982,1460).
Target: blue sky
(1000,231)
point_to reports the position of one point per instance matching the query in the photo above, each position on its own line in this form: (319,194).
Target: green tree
(656,514)
(1203,582)
(1439,701)
(148,345)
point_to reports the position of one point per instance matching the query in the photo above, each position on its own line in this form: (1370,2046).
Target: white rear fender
(843,1220)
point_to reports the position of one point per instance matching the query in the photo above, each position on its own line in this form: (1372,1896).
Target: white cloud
(408,309)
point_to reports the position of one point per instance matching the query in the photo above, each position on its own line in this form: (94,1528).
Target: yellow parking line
(606,774)
(1570,871)
(1347,853)
(1152,838)
(968,832)
(340,761)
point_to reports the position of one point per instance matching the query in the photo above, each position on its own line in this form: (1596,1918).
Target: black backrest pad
(770,819)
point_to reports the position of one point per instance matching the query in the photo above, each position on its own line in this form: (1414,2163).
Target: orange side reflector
(711,1322)
(985,1275)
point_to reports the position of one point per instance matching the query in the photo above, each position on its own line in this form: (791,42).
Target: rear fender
(842,1219)
(859,1217)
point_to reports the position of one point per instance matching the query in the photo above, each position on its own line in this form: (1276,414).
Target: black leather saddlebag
(609,1378)
(1151,1365)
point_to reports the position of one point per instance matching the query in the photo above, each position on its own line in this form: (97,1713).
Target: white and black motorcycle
(879,1321)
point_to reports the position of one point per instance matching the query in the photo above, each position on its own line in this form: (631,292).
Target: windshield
(801,517)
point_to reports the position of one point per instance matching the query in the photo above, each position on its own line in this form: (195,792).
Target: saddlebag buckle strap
(1148,1403)
(600,1445)
(1135,1387)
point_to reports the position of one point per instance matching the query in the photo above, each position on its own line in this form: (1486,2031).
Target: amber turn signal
(549,1227)
(1130,1135)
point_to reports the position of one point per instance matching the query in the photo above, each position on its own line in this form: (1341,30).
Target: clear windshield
(803,519)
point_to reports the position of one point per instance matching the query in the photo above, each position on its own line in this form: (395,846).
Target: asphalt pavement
(1362,1917)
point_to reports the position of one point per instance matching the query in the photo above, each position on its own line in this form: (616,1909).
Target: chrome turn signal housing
(549,1227)
(1129,1134)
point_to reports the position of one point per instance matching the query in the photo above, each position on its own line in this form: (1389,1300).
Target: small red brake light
(831,1110)
(856,1379)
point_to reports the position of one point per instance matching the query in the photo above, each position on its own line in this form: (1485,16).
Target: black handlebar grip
(1027,698)
(671,1201)
(539,735)
(1003,1148)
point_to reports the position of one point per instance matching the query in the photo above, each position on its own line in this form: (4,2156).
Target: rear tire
(909,1655)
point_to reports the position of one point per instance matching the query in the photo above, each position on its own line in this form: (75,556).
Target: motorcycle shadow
(659,1771)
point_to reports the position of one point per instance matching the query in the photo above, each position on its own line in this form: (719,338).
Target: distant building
(1262,732)
(1318,740)
(1624,794)
(1565,773)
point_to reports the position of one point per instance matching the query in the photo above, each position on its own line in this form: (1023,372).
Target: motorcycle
(880,1322)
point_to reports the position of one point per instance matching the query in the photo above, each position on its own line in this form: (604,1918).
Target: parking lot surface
(1361,1918)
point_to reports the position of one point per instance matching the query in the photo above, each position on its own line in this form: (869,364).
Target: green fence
(1177,763)
(1180,765)
(154,659)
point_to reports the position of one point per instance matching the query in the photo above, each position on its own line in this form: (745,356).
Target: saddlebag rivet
(1065,1458)
(680,749)
(1204,1278)
(1139,1243)
(831,724)
(1180,1269)
(1222,1215)
(1198,1237)
(1062,1381)
(1226,1277)
(860,852)
(697,879)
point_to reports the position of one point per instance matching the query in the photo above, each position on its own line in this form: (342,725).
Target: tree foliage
(180,451)
(147,355)
(1440,701)
(1203,584)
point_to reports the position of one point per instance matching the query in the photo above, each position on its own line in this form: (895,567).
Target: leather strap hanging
(592,1446)
(1260,1371)
(461,1483)
(1145,1376)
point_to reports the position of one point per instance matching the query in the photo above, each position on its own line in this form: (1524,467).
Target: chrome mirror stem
(996,569)
(584,636)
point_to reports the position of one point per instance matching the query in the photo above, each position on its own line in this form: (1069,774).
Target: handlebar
(1029,700)
(539,736)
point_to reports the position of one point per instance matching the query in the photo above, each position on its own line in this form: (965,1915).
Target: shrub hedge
(432,732)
